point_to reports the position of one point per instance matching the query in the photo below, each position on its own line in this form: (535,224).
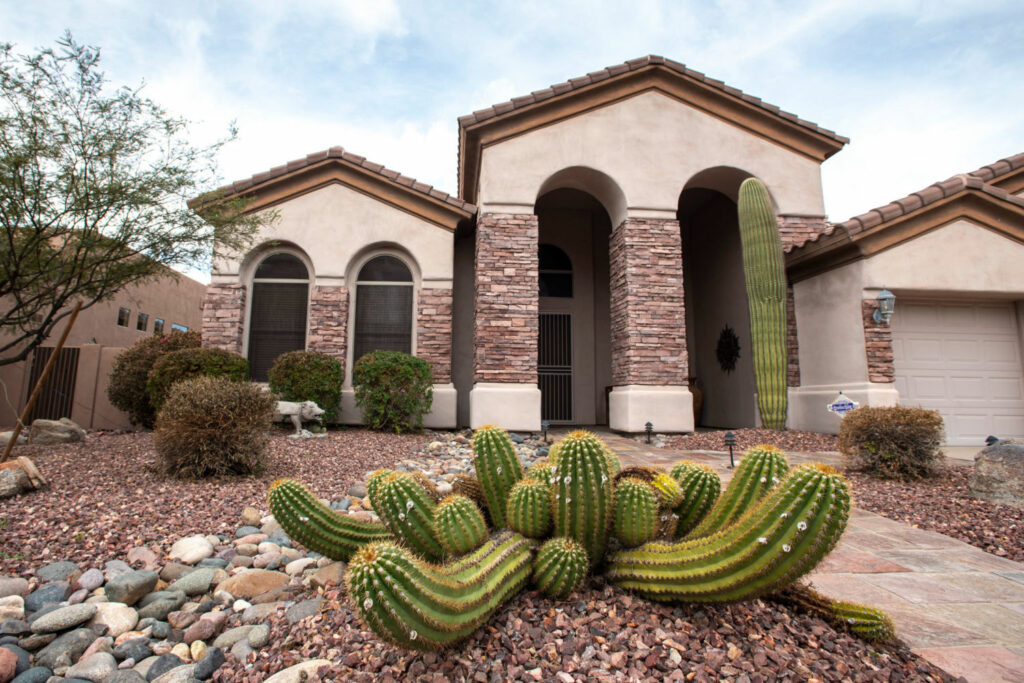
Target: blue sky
(924,89)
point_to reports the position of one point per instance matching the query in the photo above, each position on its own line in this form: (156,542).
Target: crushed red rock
(787,440)
(944,504)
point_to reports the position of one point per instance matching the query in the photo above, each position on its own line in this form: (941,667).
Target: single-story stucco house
(589,271)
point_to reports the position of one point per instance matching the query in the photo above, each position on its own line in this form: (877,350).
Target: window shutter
(277,324)
(383,319)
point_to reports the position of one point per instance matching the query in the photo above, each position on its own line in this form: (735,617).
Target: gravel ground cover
(944,504)
(104,501)
(787,440)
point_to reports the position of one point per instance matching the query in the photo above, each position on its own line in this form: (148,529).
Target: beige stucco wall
(335,225)
(651,145)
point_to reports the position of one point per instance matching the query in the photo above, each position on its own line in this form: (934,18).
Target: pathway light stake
(544,425)
(648,428)
(730,441)
(886,305)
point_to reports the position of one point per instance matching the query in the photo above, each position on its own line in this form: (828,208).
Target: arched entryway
(574,340)
(717,316)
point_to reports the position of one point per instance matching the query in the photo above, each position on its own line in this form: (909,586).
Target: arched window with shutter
(384,307)
(277,320)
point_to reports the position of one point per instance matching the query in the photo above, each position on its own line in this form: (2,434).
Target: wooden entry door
(554,367)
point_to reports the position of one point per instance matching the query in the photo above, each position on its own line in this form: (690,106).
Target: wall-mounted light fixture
(886,304)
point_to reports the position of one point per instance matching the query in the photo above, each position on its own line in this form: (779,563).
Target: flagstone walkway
(953,604)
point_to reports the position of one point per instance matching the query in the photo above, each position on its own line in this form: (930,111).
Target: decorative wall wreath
(728,349)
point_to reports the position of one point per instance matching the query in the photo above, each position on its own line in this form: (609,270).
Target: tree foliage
(94,182)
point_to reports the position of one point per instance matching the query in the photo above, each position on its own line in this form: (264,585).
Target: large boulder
(48,432)
(998,475)
(13,482)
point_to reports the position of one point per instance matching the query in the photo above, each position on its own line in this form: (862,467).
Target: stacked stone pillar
(224,316)
(506,304)
(648,321)
(877,345)
(328,321)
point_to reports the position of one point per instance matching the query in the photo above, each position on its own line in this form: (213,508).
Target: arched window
(384,298)
(555,272)
(277,323)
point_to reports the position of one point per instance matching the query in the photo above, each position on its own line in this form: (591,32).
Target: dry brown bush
(892,442)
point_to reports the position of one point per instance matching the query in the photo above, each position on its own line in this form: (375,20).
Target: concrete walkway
(953,604)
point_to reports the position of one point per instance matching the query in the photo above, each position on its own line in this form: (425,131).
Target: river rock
(302,610)
(130,587)
(24,659)
(161,605)
(331,573)
(10,585)
(15,627)
(12,608)
(118,617)
(179,674)
(47,594)
(64,618)
(8,664)
(94,667)
(195,582)
(115,568)
(191,549)
(126,676)
(251,517)
(37,674)
(255,614)
(49,432)
(162,665)
(58,571)
(258,636)
(91,579)
(66,648)
(252,582)
(136,648)
(296,567)
(182,651)
(298,673)
(998,474)
(141,555)
(212,661)
(197,650)
(232,636)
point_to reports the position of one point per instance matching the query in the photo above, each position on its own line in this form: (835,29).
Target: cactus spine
(560,567)
(582,493)
(781,539)
(701,486)
(408,510)
(636,511)
(863,621)
(529,508)
(422,606)
(765,276)
(761,468)
(542,470)
(316,526)
(497,469)
(459,524)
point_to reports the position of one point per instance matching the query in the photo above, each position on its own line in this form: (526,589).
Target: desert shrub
(892,442)
(308,376)
(211,426)
(127,388)
(175,366)
(393,389)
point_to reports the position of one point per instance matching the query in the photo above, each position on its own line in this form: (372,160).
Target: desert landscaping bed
(787,440)
(104,501)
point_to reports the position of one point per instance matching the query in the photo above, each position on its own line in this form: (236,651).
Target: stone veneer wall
(792,344)
(434,332)
(877,345)
(648,310)
(328,321)
(224,316)
(795,230)
(506,299)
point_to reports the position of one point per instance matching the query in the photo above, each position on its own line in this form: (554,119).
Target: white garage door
(963,360)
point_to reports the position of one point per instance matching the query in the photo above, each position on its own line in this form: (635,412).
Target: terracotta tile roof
(635,65)
(976,180)
(241,186)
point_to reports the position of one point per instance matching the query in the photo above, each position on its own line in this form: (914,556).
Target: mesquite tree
(94,181)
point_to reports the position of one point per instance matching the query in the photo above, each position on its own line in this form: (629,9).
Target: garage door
(963,360)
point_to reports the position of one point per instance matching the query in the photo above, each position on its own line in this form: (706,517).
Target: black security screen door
(554,366)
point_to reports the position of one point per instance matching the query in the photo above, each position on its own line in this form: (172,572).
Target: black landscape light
(544,425)
(648,428)
(730,441)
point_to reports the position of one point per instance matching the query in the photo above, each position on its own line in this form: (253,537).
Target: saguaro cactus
(701,486)
(318,527)
(459,524)
(582,493)
(560,567)
(423,606)
(497,469)
(765,275)
(529,508)
(782,538)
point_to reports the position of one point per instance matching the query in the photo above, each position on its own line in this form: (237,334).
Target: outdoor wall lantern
(648,428)
(886,304)
(730,441)
(544,425)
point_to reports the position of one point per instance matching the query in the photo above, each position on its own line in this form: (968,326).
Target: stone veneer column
(224,316)
(648,325)
(434,345)
(792,344)
(877,345)
(328,321)
(505,324)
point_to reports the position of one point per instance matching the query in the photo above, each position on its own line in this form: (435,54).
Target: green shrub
(211,426)
(892,442)
(127,388)
(393,389)
(175,366)
(308,376)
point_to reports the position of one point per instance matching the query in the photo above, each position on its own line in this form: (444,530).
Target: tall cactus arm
(318,527)
(422,606)
(408,510)
(761,468)
(701,486)
(497,469)
(865,622)
(774,544)
(581,496)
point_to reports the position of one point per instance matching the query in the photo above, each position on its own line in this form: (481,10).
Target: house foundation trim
(807,403)
(667,408)
(513,406)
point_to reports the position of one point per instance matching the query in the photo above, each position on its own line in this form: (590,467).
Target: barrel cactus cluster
(434,571)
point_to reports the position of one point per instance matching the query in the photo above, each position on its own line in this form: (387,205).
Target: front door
(554,367)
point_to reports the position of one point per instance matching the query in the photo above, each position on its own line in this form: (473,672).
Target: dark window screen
(555,277)
(384,269)
(281,267)
(383,319)
(277,324)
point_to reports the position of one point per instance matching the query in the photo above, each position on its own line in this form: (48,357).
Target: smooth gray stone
(24,658)
(136,648)
(15,627)
(158,595)
(13,585)
(196,582)
(56,591)
(162,665)
(64,618)
(241,650)
(161,629)
(52,607)
(281,538)
(131,586)
(125,676)
(115,568)
(232,636)
(91,579)
(206,666)
(71,644)
(179,674)
(159,609)
(95,667)
(58,571)
(34,642)
(246,531)
(215,562)
(37,674)
(301,610)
